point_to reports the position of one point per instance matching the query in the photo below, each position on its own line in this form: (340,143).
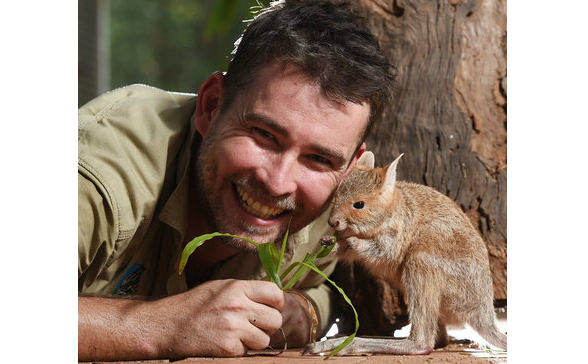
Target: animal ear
(367,159)
(390,180)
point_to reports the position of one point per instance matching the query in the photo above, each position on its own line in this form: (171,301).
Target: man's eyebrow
(337,156)
(267,121)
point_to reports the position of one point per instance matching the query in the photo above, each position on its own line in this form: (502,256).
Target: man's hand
(296,319)
(216,318)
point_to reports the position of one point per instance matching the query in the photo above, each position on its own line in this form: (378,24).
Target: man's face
(277,153)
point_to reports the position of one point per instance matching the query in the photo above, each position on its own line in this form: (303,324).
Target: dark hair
(328,42)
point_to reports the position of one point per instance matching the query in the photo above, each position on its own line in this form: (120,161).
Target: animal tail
(489,331)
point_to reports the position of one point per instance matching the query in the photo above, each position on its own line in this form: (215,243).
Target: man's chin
(241,245)
(256,234)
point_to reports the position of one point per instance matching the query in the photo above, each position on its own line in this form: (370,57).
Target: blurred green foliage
(174,44)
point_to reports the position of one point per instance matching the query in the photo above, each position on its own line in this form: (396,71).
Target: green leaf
(268,255)
(199,240)
(283,248)
(287,271)
(322,252)
(300,272)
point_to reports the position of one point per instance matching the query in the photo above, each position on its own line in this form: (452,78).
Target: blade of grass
(322,252)
(287,271)
(283,248)
(199,240)
(268,255)
(299,273)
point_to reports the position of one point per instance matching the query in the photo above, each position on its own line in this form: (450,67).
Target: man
(261,147)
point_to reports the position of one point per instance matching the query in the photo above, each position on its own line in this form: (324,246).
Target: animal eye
(359,205)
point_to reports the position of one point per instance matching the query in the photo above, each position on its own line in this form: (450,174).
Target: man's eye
(263,133)
(321,160)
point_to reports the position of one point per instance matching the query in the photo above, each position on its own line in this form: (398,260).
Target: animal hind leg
(442,339)
(423,307)
(421,340)
(424,303)
(424,316)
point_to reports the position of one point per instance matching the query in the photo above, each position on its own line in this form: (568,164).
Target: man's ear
(367,159)
(357,155)
(209,102)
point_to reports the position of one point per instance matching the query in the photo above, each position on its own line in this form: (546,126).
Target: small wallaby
(420,242)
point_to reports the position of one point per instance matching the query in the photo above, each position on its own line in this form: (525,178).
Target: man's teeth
(255,207)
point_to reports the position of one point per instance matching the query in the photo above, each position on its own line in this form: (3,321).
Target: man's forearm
(216,318)
(113,329)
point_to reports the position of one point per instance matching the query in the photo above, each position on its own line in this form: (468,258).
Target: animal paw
(327,240)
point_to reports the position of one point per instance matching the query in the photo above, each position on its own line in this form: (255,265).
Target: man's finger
(266,293)
(265,318)
(255,339)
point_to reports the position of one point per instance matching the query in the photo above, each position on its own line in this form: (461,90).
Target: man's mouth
(255,207)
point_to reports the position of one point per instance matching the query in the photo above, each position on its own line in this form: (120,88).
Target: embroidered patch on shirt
(130,281)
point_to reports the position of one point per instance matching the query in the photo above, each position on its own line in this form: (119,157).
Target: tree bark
(448,118)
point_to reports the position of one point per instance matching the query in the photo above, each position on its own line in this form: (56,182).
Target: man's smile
(257,208)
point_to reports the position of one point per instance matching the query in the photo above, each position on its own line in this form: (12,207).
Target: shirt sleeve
(96,230)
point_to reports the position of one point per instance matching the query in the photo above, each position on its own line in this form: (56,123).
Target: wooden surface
(455,353)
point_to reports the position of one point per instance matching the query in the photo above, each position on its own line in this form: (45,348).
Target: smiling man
(276,153)
(259,148)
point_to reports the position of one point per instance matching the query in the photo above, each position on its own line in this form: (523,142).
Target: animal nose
(334,223)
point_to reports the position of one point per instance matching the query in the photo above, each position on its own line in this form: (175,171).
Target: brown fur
(422,243)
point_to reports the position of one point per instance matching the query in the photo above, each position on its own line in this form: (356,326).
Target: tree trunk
(448,118)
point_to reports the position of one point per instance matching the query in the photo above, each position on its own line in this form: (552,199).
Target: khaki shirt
(134,147)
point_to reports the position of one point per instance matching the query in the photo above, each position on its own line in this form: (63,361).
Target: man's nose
(279,175)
